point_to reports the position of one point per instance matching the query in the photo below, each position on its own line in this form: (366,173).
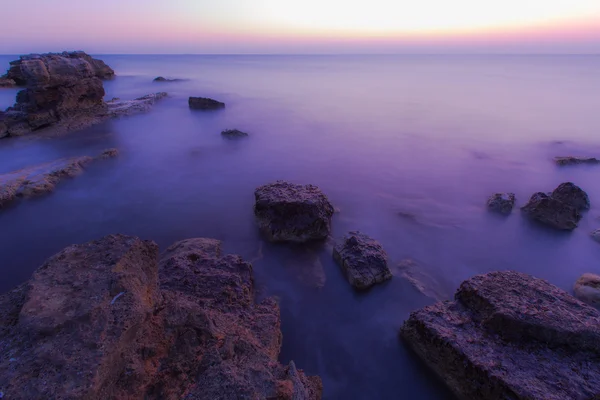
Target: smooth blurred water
(407,148)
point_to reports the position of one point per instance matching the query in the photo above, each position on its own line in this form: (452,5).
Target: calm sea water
(407,148)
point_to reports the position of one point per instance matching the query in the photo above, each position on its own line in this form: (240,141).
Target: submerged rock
(426,280)
(119,108)
(587,289)
(233,134)
(570,160)
(362,259)
(294,213)
(202,103)
(508,335)
(501,202)
(109,153)
(560,209)
(109,319)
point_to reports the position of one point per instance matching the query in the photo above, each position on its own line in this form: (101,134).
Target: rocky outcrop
(42,179)
(287,212)
(508,335)
(362,260)
(109,320)
(119,108)
(233,134)
(570,160)
(587,289)
(202,103)
(7,83)
(502,203)
(560,209)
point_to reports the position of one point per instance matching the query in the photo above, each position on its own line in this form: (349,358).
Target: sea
(407,147)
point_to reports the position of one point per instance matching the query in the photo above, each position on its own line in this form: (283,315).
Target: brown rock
(107,319)
(508,335)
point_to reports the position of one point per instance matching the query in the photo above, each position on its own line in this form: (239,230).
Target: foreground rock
(202,103)
(502,203)
(119,108)
(42,179)
(562,161)
(108,320)
(508,335)
(362,259)
(233,134)
(287,212)
(560,209)
(587,289)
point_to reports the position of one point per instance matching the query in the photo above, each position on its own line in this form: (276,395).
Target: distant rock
(119,108)
(508,335)
(587,289)
(43,178)
(162,79)
(7,83)
(109,153)
(561,209)
(109,319)
(362,259)
(202,103)
(570,160)
(293,213)
(502,203)
(233,134)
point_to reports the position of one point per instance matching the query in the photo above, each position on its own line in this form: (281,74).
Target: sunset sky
(307,26)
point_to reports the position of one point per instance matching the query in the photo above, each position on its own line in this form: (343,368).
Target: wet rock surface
(291,212)
(502,203)
(362,260)
(109,319)
(570,160)
(508,335)
(560,209)
(233,134)
(203,103)
(587,289)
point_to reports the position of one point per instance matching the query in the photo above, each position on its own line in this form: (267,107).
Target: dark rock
(201,103)
(109,153)
(587,289)
(294,213)
(560,209)
(501,202)
(162,79)
(7,83)
(362,259)
(109,320)
(508,335)
(570,160)
(233,134)
(573,195)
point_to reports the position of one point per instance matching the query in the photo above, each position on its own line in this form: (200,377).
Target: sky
(303,26)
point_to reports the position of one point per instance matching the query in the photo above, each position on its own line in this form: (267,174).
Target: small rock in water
(109,153)
(561,208)
(501,202)
(203,103)
(233,134)
(287,212)
(363,260)
(587,289)
(163,79)
(569,160)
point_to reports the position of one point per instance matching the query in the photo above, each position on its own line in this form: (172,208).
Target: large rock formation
(560,209)
(502,203)
(108,320)
(294,213)
(508,335)
(362,260)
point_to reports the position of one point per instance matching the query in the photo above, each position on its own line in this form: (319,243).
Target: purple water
(408,148)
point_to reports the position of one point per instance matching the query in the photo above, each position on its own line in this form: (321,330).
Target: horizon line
(322,54)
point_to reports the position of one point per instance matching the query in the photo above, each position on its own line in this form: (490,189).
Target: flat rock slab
(119,108)
(204,103)
(362,260)
(291,212)
(110,319)
(508,335)
(559,209)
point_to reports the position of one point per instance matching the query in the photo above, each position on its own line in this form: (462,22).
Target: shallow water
(407,148)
